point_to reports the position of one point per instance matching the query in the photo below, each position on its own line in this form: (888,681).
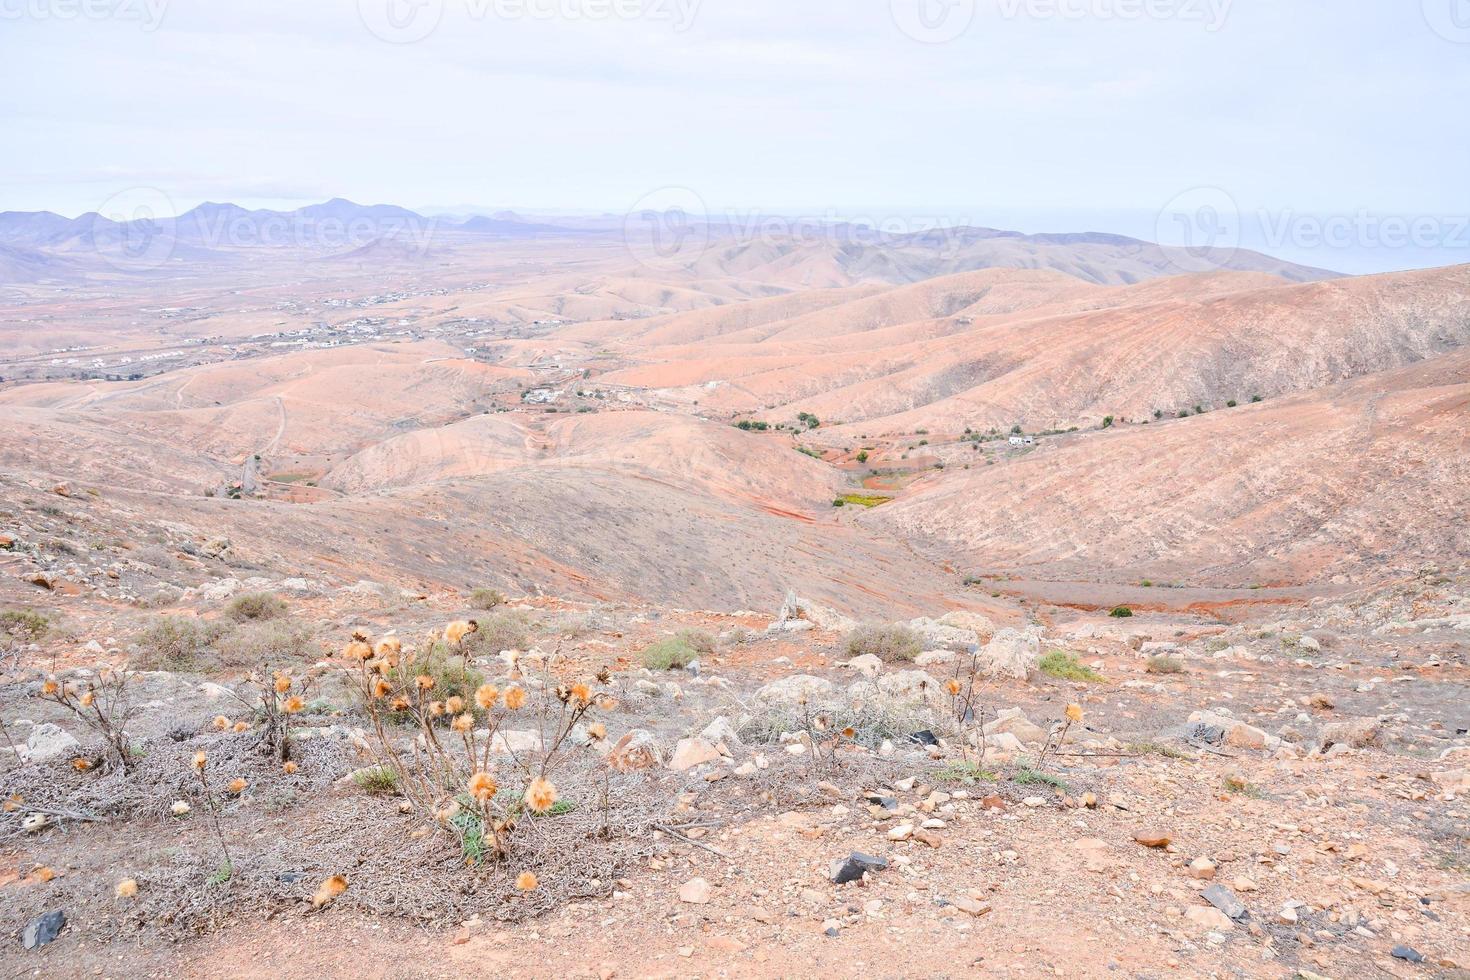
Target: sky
(1334,132)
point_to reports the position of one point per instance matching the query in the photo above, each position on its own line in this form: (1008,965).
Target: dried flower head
(328,891)
(541,795)
(381,688)
(482,786)
(454,705)
(237,785)
(180,808)
(399,704)
(425,682)
(436,709)
(526,881)
(81,765)
(43,874)
(1074,712)
(463,723)
(597,731)
(283,683)
(127,888)
(50,687)
(87,698)
(242,726)
(581,694)
(289,767)
(389,646)
(293,705)
(486,695)
(607,702)
(221,723)
(515,698)
(357,650)
(952,686)
(200,761)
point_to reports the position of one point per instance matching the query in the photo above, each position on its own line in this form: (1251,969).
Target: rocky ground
(1284,796)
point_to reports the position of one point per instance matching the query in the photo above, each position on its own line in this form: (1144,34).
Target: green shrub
(895,642)
(255,606)
(486,598)
(377,780)
(1064,665)
(452,673)
(862,457)
(174,643)
(1121,612)
(671,654)
(839,502)
(1107,422)
(1164,665)
(278,643)
(25,624)
(503,631)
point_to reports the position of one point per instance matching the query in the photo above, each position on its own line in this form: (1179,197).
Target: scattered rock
(1011,654)
(1153,838)
(1201,868)
(1223,899)
(695,891)
(866,664)
(636,750)
(970,906)
(43,929)
(691,752)
(1408,953)
(47,741)
(1210,918)
(1357,733)
(854,865)
(794,690)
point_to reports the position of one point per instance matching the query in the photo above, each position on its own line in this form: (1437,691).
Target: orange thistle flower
(88,698)
(482,786)
(381,688)
(221,723)
(81,765)
(237,786)
(50,687)
(581,693)
(283,683)
(127,888)
(454,705)
(464,723)
(540,795)
(242,726)
(526,881)
(357,650)
(1074,712)
(436,708)
(486,695)
(424,681)
(43,874)
(399,704)
(597,731)
(328,891)
(389,646)
(952,686)
(293,705)
(200,761)
(289,767)
(515,698)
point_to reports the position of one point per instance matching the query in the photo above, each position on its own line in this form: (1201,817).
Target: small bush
(1164,665)
(24,624)
(1026,776)
(671,654)
(894,642)
(377,780)
(1065,666)
(503,631)
(968,773)
(451,672)
(486,598)
(255,606)
(701,641)
(1121,612)
(173,643)
(280,643)
(839,502)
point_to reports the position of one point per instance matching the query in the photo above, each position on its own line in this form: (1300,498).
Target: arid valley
(517,597)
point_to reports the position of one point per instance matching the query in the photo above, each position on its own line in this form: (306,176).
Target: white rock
(47,741)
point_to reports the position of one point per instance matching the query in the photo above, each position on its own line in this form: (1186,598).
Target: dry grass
(888,643)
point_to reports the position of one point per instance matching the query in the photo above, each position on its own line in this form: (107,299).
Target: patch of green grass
(1164,665)
(701,641)
(671,654)
(377,780)
(26,624)
(1026,776)
(255,606)
(808,451)
(968,773)
(1121,612)
(1157,748)
(451,671)
(471,831)
(1238,786)
(864,499)
(1065,666)
(221,875)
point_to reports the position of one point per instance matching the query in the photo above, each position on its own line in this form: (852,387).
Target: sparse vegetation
(255,606)
(486,598)
(701,641)
(173,643)
(671,654)
(968,773)
(1121,612)
(24,624)
(864,499)
(891,643)
(1063,665)
(508,630)
(1164,665)
(376,780)
(278,641)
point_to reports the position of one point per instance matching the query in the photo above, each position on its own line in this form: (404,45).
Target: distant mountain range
(835,253)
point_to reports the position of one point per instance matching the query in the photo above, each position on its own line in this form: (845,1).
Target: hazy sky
(1041,114)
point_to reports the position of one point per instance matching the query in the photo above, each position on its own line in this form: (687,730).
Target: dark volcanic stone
(42,929)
